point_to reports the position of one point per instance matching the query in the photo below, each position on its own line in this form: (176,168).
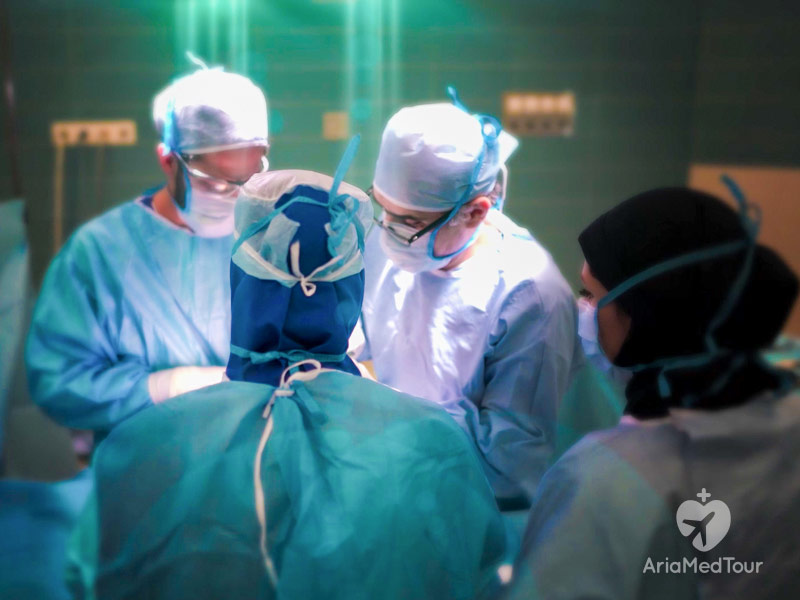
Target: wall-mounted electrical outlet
(539,113)
(93,133)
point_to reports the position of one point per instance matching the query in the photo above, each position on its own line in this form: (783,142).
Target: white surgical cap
(211,110)
(428,157)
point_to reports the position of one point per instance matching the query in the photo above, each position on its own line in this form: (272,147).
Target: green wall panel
(658,85)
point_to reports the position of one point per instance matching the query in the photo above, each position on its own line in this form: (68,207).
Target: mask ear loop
(344,166)
(751,227)
(187,192)
(342,215)
(197,61)
(169,139)
(452,93)
(751,224)
(170,133)
(254,228)
(490,131)
(169,136)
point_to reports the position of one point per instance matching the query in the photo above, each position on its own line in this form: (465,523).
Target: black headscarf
(670,313)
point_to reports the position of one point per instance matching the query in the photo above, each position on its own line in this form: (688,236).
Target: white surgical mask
(587,331)
(209,214)
(410,257)
(587,321)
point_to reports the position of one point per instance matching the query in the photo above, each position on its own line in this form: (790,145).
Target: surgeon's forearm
(518,423)
(513,452)
(516,470)
(97,399)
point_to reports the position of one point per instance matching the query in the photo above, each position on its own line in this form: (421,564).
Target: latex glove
(366,369)
(168,383)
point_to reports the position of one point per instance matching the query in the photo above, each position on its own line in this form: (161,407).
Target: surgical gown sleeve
(526,373)
(75,371)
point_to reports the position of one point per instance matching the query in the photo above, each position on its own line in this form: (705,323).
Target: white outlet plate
(93,133)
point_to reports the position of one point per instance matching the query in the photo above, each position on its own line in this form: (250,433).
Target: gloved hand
(168,383)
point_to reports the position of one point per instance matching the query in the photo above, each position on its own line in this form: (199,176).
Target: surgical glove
(168,383)
(366,369)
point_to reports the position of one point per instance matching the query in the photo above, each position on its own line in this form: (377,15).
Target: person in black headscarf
(670,314)
(702,465)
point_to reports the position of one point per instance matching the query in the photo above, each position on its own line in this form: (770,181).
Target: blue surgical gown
(492,341)
(607,513)
(130,293)
(369,493)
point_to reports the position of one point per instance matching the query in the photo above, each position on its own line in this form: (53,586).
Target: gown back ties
(290,375)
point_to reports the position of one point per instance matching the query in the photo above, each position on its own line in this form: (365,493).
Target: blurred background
(607,97)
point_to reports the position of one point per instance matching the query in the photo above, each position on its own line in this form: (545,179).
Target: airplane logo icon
(706,524)
(699,527)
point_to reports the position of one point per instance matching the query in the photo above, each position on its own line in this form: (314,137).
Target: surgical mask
(207,213)
(588,333)
(413,257)
(587,321)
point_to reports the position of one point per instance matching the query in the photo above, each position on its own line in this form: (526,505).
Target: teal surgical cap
(211,110)
(435,157)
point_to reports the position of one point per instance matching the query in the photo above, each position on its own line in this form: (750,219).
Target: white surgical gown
(491,341)
(130,293)
(611,503)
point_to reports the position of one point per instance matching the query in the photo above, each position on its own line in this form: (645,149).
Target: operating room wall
(646,76)
(748,84)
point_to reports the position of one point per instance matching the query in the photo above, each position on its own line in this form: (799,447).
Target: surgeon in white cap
(135,308)
(462,306)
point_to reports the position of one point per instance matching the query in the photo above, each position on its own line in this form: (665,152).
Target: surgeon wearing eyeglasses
(407,227)
(135,308)
(462,306)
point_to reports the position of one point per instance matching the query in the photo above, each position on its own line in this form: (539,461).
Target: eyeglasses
(396,234)
(217,184)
